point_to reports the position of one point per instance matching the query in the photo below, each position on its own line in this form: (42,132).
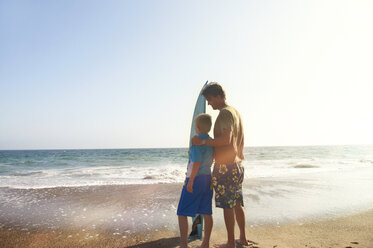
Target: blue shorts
(198,202)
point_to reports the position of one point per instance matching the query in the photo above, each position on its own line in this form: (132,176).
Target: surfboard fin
(197,227)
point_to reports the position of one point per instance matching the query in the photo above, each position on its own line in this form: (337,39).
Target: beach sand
(348,231)
(144,216)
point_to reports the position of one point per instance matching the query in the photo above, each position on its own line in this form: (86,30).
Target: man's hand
(190,186)
(196,141)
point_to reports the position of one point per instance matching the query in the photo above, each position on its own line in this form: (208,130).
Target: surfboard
(200,108)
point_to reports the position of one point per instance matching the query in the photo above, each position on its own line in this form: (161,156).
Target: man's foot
(226,245)
(203,246)
(242,241)
(183,246)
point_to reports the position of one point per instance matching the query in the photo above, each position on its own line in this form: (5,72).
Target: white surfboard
(200,108)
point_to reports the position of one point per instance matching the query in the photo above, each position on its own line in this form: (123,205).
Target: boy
(196,195)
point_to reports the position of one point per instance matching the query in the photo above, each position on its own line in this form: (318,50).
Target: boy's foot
(203,246)
(226,245)
(183,246)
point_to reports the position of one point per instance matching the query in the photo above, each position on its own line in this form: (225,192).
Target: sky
(86,74)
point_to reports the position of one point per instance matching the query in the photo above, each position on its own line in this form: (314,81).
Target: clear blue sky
(122,74)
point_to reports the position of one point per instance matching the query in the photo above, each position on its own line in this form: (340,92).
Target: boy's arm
(195,157)
(224,139)
(195,168)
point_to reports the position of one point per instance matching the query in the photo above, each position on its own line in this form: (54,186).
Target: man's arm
(224,139)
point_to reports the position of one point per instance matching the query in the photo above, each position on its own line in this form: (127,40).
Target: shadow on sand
(166,243)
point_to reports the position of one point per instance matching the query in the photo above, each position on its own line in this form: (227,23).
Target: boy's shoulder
(194,148)
(204,147)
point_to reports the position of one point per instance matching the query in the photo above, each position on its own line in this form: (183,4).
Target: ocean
(65,168)
(132,190)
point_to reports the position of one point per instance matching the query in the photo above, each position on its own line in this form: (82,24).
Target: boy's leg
(183,226)
(208,228)
(205,208)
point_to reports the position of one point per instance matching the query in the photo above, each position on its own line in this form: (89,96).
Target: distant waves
(69,168)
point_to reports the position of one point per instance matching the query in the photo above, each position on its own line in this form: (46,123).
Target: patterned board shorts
(227,181)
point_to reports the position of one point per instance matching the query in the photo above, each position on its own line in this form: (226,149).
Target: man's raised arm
(222,140)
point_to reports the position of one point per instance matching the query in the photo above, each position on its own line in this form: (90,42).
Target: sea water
(282,184)
(61,168)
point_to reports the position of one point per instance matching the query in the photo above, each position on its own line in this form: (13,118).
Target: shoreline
(144,216)
(346,231)
(141,207)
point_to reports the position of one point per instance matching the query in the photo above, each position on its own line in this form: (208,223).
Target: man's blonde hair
(203,122)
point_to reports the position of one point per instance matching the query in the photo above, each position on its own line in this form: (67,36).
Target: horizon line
(145,148)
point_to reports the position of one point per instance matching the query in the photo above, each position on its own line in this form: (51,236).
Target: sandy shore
(144,216)
(343,232)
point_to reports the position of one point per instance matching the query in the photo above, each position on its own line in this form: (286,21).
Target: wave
(306,166)
(150,177)
(90,176)
(366,161)
(27,173)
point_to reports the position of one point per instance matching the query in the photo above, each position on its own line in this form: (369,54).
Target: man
(228,171)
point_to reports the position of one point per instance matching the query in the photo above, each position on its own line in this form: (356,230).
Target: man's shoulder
(230,111)
(226,111)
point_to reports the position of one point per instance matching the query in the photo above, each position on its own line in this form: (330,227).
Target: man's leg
(183,226)
(240,218)
(229,224)
(222,180)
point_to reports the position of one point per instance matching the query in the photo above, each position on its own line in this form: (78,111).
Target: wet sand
(348,231)
(144,216)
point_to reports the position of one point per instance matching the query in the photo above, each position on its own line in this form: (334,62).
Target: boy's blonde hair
(203,122)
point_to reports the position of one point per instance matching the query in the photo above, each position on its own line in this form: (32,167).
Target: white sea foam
(89,176)
(171,173)
(45,169)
